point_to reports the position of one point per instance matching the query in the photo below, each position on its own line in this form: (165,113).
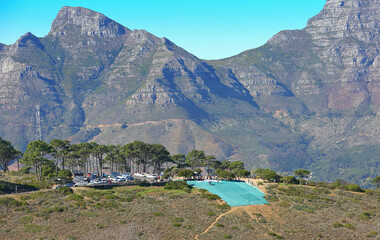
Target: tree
(7,154)
(235,167)
(61,151)
(270,175)
(180,160)
(159,155)
(302,173)
(208,161)
(195,158)
(259,172)
(289,180)
(376,181)
(224,174)
(243,173)
(186,173)
(34,156)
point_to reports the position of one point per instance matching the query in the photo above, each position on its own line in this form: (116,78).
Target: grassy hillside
(294,212)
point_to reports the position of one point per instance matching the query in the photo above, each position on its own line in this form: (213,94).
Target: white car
(139,174)
(152,176)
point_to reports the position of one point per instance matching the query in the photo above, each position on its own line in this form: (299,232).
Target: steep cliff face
(322,81)
(286,105)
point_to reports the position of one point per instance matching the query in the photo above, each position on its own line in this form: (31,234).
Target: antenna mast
(38,133)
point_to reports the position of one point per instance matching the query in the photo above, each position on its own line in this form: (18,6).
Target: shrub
(100,226)
(210,213)
(337,225)
(213,197)
(371,234)
(219,225)
(26,219)
(75,197)
(70,220)
(187,173)
(176,224)
(159,214)
(289,180)
(32,228)
(366,215)
(349,226)
(369,192)
(180,185)
(177,220)
(10,202)
(223,206)
(228,236)
(64,190)
(142,183)
(123,221)
(354,188)
(272,234)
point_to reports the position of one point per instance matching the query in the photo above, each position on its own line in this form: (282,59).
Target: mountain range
(308,98)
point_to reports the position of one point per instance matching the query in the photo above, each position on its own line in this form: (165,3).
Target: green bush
(371,234)
(177,185)
(177,220)
(26,219)
(354,188)
(366,215)
(64,190)
(70,220)
(10,202)
(349,226)
(187,173)
(289,180)
(159,214)
(219,225)
(227,236)
(210,213)
(32,228)
(177,224)
(64,173)
(223,206)
(337,225)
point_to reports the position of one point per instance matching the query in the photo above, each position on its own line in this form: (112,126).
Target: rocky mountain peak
(70,20)
(28,39)
(347,18)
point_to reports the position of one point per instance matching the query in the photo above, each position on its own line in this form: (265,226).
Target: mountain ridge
(305,97)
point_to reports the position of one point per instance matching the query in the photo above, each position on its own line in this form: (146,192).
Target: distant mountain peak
(346,18)
(28,39)
(70,20)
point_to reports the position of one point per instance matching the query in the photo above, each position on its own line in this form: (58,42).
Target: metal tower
(38,133)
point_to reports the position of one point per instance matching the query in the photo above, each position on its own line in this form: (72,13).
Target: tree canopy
(7,154)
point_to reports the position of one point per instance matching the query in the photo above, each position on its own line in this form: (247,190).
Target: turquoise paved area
(234,193)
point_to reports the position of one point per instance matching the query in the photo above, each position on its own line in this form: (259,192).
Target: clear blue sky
(209,29)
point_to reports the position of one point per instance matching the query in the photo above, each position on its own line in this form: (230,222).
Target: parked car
(69,184)
(152,176)
(139,174)
(78,184)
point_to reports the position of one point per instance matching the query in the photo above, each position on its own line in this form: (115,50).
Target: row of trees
(136,156)
(95,158)
(91,157)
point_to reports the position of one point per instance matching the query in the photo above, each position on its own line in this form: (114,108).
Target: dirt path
(215,221)
(252,210)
